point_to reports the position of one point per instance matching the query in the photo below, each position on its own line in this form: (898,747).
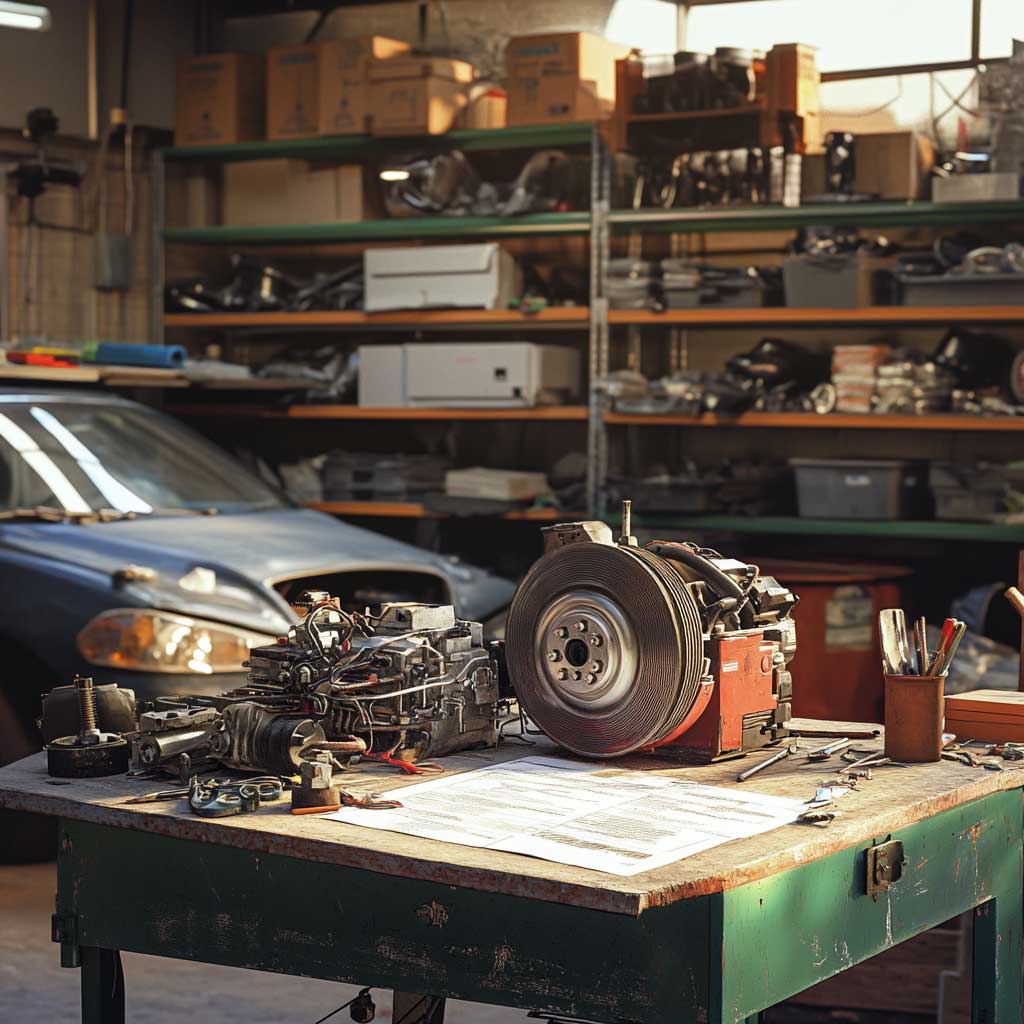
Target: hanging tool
(779,755)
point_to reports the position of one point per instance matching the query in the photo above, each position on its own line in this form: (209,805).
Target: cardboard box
(480,275)
(255,193)
(218,99)
(293,91)
(893,165)
(344,89)
(268,192)
(561,77)
(792,79)
(417,95)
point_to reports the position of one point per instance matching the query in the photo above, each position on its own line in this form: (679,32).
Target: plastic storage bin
(630,284)
(964,492)
(843,281)
(961,289)
(855,488)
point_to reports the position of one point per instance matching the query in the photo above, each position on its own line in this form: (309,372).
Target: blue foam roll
(170,357)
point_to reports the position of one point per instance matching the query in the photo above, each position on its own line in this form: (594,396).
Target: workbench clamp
(884,865)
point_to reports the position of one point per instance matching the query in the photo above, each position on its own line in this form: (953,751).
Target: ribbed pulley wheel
(605,648)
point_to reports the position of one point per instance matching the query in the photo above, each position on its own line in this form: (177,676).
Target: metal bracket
(64,929)
(884,865)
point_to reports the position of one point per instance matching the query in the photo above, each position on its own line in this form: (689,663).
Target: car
(135,551)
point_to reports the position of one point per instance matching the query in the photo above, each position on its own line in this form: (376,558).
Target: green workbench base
(718,958)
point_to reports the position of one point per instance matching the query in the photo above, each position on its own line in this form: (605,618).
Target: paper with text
(570,813)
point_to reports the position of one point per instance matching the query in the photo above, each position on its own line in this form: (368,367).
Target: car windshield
(85,454)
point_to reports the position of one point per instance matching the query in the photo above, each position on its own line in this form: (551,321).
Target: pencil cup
(914,710)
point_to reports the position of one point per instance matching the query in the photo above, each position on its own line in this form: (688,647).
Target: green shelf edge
(907,529)
(775,218)
(575,223)
(469,140)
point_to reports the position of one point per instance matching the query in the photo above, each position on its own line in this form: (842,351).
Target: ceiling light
(30,16)
(394,174)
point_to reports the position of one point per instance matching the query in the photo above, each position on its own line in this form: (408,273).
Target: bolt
(563,674)
(86,704)
(597,666)
(595,640)
(581,626)
(554,656)
(591,678)
(561,632)
(577,676)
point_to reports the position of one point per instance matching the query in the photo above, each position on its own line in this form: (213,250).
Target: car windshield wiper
(51,514)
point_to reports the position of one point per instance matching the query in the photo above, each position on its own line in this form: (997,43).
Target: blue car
(133,550)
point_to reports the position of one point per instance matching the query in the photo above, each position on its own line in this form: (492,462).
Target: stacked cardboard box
(855,375)
(561,77)
(268,192)
(219,99)
(344,101)
(417,95)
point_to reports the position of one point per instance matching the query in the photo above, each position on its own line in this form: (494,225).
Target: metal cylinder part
(86,704)
(606,645)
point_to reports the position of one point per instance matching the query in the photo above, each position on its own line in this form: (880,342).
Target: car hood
(246,553)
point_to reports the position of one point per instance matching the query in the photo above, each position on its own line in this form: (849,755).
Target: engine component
(413,681)
(91,753)
(614,648)
(316,788)
(115,710)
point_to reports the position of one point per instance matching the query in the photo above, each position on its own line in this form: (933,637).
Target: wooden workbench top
(893,798)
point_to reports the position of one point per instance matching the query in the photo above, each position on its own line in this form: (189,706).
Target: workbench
(715,938)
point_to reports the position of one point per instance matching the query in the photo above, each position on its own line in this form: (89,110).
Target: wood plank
(549,413)
(830,421)
(406,318)
(416,510)
(894,798)
(794,316)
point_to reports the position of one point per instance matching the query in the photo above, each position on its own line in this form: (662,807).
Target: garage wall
(472,30)
(50,69)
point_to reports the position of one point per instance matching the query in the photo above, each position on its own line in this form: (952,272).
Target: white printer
(490,374)
(474,276)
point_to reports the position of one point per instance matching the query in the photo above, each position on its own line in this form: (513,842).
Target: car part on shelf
(92,752)
(614,648)
(413,681)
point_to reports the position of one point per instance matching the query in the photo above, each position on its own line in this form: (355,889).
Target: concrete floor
(34,987)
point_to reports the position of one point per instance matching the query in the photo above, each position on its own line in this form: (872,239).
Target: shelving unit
(832,421)
(929,529)
(427,319)
(543,414)
(415,510)
(599,224)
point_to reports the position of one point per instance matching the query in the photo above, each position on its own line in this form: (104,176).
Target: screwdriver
(779,755)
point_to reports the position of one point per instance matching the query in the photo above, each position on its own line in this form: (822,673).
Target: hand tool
(825,752)
(922,646)
(152,798)
(890,642)
(870,760)
(780,754)
(948,651)
(945,638)
(1016,598)
(906,661)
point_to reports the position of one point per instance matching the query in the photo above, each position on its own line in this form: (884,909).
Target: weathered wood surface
(895,797)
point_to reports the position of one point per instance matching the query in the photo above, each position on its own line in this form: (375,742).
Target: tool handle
(316,810)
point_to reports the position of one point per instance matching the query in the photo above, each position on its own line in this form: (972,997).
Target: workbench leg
(996,989)
(102,986)
(411,1008)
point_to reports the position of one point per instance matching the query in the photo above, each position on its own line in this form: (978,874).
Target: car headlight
(147,640)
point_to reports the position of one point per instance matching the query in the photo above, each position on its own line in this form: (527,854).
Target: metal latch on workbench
(885,863)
